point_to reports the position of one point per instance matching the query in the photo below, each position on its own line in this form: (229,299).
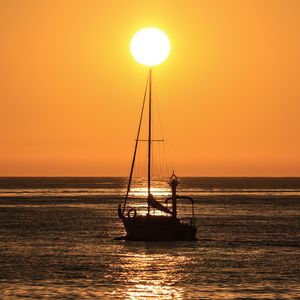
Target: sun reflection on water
(141,291)
(155,191)
(153,274)
(138,197)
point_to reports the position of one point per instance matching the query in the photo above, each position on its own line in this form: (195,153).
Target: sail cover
(155,204)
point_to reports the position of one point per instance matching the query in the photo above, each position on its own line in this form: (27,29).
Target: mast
(136,143)
(149,137)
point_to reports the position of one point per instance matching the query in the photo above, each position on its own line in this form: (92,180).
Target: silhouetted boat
(151,227)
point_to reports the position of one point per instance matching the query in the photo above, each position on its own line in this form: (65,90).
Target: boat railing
(188,220)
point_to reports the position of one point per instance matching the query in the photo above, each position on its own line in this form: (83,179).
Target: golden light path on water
(57,241)
(139,193)
(153,275)
(138,198)
(143,192)
(138,201)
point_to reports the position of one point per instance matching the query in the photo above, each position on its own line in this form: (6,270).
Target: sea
(57,241)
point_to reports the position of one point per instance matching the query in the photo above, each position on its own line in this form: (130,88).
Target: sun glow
(150,46)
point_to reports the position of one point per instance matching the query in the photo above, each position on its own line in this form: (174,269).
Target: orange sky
(70,91)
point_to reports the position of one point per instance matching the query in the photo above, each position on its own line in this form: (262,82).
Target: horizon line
(124,176)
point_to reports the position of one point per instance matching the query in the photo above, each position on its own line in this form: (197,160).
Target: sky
(70,91)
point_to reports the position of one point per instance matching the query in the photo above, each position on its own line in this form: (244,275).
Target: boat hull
(158,228)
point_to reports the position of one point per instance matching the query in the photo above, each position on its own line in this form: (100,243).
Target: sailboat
(150,227)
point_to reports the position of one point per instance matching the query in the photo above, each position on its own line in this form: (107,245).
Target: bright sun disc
(150,46)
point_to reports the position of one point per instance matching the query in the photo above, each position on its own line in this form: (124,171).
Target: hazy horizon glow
(71,93)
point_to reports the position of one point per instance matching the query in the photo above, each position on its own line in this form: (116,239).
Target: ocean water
(57,242)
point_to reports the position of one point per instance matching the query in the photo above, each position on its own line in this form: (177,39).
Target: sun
(150,46)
